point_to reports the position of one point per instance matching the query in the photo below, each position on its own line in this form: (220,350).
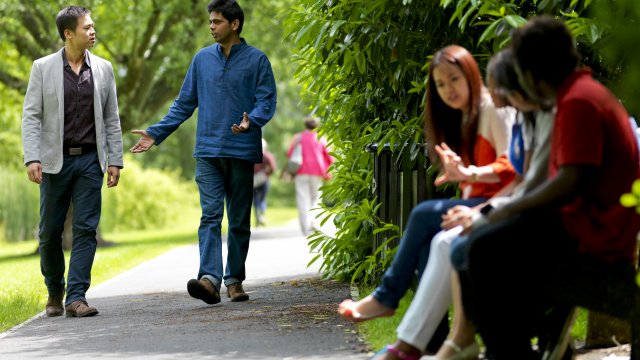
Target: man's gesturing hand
(145,143)
(244,125)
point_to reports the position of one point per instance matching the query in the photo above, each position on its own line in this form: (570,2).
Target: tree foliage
(149,43)
(362,66)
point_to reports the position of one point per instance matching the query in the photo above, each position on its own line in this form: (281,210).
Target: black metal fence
(400,183)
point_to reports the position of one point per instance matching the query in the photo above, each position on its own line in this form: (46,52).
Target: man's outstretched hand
(244,125)
(145,143)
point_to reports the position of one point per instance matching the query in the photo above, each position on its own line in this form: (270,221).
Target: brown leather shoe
(204,290)
(54,305)
(80,308)
(236,292)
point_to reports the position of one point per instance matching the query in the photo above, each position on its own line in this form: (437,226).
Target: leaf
(301,36)
(361,62)
(629,200)
(489,32)
(635,187)
(515,21)
(335,27)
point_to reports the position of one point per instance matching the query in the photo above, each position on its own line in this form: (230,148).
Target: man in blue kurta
(232,85)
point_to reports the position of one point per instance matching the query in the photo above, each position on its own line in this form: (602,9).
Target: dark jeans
(79,181)
(413,253)
(220,181)
(521,268)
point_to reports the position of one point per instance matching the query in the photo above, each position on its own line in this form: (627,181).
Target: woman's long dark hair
(441,122)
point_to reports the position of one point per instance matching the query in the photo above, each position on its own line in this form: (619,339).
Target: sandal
(397,353)
(348,311)
(470,352)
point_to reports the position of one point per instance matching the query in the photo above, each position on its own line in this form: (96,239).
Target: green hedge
(147,199)
(19,204)
(144,199)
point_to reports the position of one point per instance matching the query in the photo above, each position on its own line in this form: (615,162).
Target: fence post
(400,183)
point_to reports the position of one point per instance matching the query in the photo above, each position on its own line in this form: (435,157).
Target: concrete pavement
(146,313)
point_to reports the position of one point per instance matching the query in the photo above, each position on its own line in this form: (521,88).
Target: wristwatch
(485,210)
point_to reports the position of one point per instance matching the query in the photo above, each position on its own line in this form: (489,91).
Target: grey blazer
(43,113)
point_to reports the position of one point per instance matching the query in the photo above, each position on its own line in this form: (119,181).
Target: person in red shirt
(569,242)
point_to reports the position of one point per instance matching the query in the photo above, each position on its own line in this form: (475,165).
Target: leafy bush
(362,67)
(632,199)
(147,198)
(19,204)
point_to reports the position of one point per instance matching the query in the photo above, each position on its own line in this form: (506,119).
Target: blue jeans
(260,201)
(223,180)
(79,181)
(413,250)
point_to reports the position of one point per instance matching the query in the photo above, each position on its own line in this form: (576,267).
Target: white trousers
(307,198)
(433,295)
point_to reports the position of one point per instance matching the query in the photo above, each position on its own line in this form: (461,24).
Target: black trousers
(521,268)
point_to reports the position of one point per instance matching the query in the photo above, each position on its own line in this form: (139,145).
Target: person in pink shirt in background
(308,179)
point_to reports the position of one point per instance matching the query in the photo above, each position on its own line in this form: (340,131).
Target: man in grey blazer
(71,136)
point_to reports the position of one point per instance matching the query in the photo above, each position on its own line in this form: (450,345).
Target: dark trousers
(520,269)
(79,181)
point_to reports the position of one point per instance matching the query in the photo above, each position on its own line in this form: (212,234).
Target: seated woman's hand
(458,215)
(451,165)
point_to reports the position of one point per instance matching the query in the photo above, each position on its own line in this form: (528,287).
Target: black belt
(79,150)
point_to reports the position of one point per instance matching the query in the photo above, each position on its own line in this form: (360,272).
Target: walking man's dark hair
(545,48)
(230,9)
(67,19)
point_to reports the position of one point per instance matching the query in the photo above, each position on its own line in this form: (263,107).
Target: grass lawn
(382,331)
(22,290)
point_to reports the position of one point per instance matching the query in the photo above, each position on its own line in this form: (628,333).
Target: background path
(146,313)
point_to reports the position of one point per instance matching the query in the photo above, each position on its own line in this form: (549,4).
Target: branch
(13,82)
(152,22)
(38,28)
(117,58)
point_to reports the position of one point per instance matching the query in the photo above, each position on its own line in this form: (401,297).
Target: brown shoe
(204,290)
(54,305)
(236,292)
(80,308)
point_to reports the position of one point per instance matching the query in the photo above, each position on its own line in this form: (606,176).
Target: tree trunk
(67,234)
(606,331)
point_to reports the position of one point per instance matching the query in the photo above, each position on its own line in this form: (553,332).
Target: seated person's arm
(554,192)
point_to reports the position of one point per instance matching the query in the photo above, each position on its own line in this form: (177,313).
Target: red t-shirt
(592,128)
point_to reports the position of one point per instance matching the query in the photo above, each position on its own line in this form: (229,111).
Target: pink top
(315,156)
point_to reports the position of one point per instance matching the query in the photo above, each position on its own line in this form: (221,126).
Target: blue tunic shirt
(223,88)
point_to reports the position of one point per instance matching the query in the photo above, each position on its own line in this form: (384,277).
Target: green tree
(149,43)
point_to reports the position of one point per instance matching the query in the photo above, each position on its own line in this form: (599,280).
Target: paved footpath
(146,313)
